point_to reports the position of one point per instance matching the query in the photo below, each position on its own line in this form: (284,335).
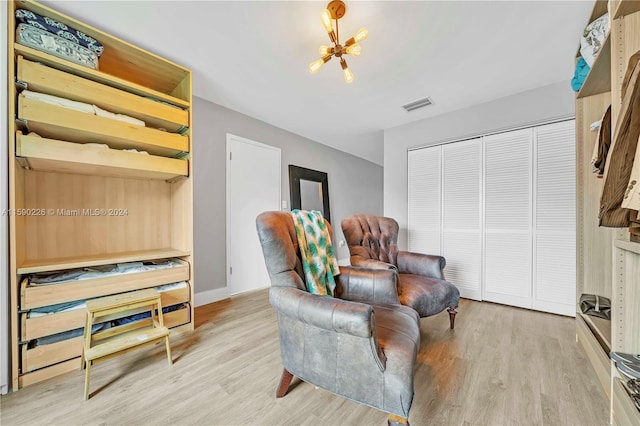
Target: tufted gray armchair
(373,243)
(361,345)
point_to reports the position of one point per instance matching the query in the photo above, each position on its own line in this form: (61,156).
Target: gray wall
(355,185)
(541,104)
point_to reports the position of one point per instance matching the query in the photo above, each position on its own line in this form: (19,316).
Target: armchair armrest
(421,264)
(363,262)
(328,313)
(368,285)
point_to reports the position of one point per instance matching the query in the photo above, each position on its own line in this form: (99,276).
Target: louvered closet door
(554,233)
(461,198)
(424,196)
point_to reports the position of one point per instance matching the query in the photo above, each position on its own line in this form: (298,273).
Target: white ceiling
(252,57)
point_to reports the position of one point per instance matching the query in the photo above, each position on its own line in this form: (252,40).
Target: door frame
(230,137)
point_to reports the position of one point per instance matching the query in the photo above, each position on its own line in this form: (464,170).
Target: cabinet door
(461,214)
(425,201)
(554,288)
(507,218)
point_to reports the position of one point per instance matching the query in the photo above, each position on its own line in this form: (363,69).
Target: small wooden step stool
(124,338)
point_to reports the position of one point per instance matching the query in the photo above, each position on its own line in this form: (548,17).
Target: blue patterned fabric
(27,17)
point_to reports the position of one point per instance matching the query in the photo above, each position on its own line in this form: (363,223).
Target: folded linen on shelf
(58,101)
(593,37)
(47,42)
(99,272)
(59,337)
(24,16)
(120,117)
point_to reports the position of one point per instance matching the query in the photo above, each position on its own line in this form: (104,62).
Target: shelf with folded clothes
(123,62)
(54,319)
(40,78)
(65,123)
(598,79)
(48,352)
(41,154)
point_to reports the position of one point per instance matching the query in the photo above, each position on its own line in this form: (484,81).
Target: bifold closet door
(554,285)
(425,200)
(507,218)
(461,215)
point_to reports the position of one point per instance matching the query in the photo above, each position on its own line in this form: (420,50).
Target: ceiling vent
(411,106)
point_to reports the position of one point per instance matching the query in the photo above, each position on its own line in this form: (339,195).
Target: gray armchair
(361,344)
(373,242)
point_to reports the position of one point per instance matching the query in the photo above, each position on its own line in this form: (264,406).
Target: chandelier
(336,10)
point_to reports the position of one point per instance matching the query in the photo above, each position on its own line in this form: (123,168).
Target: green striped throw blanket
(318,258)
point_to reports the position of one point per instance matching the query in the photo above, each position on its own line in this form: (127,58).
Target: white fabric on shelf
(55,100)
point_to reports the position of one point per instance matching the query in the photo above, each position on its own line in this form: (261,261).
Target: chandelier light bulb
(354,50)
(348,75)
(315,66)
(362,34)
(324,50)
(326,20)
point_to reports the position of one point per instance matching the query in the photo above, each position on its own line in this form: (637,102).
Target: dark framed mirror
(309,190)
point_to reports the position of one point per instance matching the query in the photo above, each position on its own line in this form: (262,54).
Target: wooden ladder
(118,340)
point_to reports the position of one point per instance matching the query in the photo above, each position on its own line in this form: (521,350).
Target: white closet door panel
(462,180)
(554,238)
(424,197)
(508,268)
(463,253)
(555,289)
(507,180)
(556,177)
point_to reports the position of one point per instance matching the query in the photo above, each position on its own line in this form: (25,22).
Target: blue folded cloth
(58,28)
(582,70)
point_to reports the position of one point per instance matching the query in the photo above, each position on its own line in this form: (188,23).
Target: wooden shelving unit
(76,205)
(608,263)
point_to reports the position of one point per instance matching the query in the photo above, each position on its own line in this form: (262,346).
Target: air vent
(411,106)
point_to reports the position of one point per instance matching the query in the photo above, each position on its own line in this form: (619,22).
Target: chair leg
(394,420)
(86,379)
(452,315)
(285,381)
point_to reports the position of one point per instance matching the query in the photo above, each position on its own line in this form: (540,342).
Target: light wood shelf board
(95,75)
(601,327)
(66,124)
(626,7)
(48,372)
(121,58)
(41,78)
(599,78)
(628,246)
(33,266)
(66,157)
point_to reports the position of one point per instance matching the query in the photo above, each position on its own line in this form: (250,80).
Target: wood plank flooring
(500,366)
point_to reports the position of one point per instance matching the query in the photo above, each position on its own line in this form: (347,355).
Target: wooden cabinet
(608,262)
(74,204)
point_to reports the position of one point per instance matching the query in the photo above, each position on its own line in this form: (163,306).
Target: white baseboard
(210,296)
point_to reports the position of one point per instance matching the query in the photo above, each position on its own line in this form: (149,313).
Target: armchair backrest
(279,242)
(372,237)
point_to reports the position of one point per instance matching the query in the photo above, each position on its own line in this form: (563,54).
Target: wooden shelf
(626,7)
(601,328)
(41,78)
(32,266)
(98,76)
(66,157)
(52,121)
(628,246)
(599,78)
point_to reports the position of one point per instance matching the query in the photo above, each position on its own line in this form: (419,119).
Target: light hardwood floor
(500,366)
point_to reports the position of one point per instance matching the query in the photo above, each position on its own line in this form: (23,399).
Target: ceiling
(252,57)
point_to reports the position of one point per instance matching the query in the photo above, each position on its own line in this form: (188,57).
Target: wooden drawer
(52,155)
(44,79)
(624,411)
(32,328)
(37,296)
(54,353)
(52,121)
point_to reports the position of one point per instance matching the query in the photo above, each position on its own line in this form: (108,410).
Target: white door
(253,186)
(461,215)
(507,216)
(425,200)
